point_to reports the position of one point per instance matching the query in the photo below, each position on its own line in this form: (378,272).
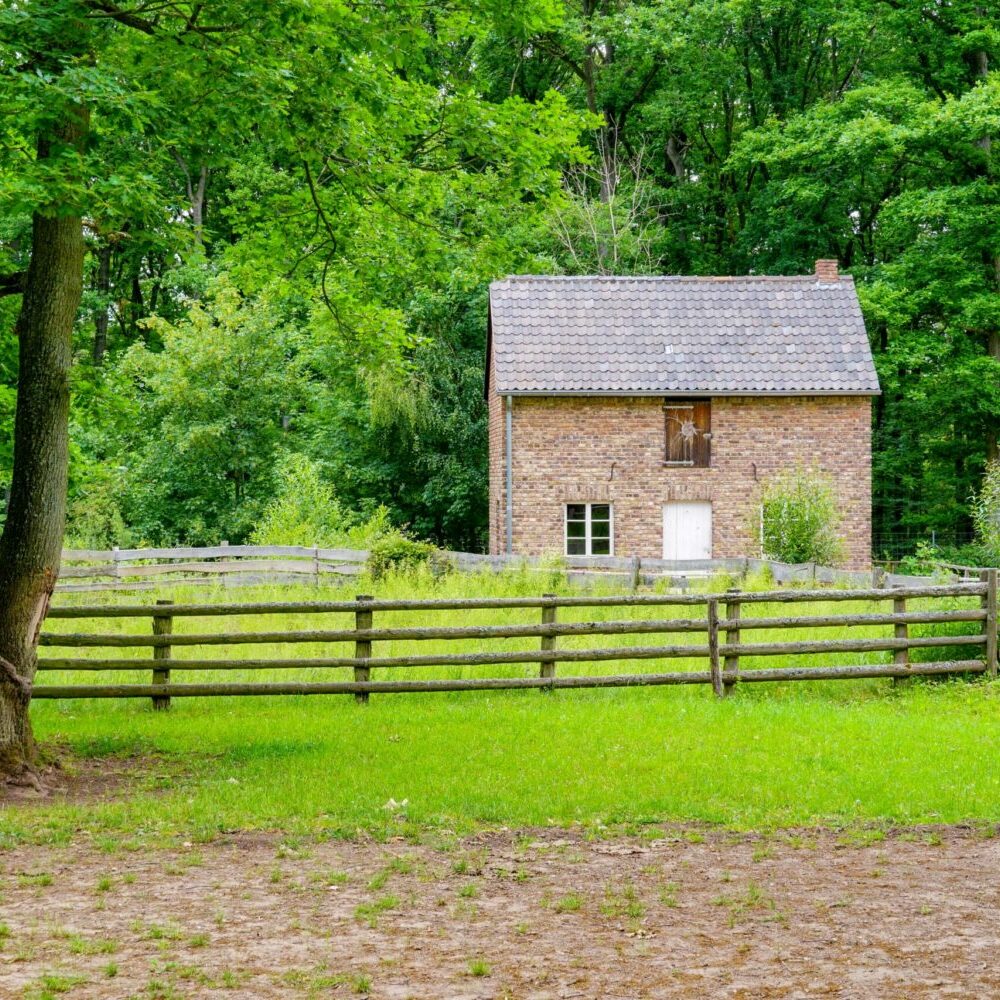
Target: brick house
(638,416)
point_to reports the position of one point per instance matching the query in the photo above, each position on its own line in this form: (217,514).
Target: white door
(687,530)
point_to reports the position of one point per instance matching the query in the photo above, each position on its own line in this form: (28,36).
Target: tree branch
(131,19)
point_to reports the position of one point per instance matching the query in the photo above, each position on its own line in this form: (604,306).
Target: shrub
(986,512)
(397,552)
(799,518)
(306,511)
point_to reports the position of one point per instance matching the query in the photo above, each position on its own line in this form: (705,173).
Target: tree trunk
(31,543)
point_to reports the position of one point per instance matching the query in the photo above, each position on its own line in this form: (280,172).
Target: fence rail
(718,625)
(145,569)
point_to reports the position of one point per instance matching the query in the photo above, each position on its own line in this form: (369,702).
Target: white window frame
(588,523)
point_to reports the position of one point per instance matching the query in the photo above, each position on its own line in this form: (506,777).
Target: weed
(370,912)
(469,891)
(478,967)
(623,902)
(753,899)
(668,894)
(569,903)
(92,946)
(51,985)
(328,877)
(37,881)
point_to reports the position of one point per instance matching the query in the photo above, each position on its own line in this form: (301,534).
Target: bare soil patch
(75,779)
(529,914)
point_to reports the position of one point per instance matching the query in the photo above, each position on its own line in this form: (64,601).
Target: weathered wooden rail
(244,565)
(720,620)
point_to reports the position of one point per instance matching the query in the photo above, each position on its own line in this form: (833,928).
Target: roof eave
(675,393)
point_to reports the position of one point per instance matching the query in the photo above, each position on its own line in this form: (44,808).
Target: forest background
(293,212)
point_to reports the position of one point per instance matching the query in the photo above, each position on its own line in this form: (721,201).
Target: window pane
(576,511)
(601,546)
(576,529)
(600,511)
(576,547)
(601,529)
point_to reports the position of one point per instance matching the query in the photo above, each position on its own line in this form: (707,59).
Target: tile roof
(712,336)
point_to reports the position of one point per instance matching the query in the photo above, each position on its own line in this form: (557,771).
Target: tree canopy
(291,211)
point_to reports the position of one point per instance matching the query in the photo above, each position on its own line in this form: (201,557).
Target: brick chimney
(826,270)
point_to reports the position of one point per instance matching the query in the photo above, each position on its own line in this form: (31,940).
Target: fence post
(316,563)
(547,668)
(163,624)
(989,577)
(634,573)
(224,564)
(900,657)
(731,663)
(362,647)
(115,568)
(713,648)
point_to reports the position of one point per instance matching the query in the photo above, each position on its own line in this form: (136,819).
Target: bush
(397,552)
(306,511)
(799,518)
(986,513)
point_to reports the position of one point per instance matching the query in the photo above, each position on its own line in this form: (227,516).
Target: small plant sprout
(478,967)
(569,903)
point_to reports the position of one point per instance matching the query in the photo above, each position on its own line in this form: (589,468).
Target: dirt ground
(528,914)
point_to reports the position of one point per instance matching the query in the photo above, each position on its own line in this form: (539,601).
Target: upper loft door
(687,530)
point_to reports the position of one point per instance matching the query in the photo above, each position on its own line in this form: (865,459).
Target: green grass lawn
(772,755)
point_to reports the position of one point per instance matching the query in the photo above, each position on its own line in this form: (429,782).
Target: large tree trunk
(31,543)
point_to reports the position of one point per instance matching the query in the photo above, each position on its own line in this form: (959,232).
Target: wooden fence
(720,620)
(145,569)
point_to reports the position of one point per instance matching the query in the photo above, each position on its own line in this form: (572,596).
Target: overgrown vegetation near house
(798,518)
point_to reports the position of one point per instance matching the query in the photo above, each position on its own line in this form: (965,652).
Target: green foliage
(799,518)
(305,511)
(396,553)
(986,511)
(368,169)
(209,418)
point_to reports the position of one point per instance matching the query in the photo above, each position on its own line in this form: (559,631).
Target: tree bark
(31,543)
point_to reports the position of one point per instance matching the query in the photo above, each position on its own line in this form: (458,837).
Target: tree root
(8,672)
(27,778)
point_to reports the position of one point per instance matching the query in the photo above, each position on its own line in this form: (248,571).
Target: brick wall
(576,449)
